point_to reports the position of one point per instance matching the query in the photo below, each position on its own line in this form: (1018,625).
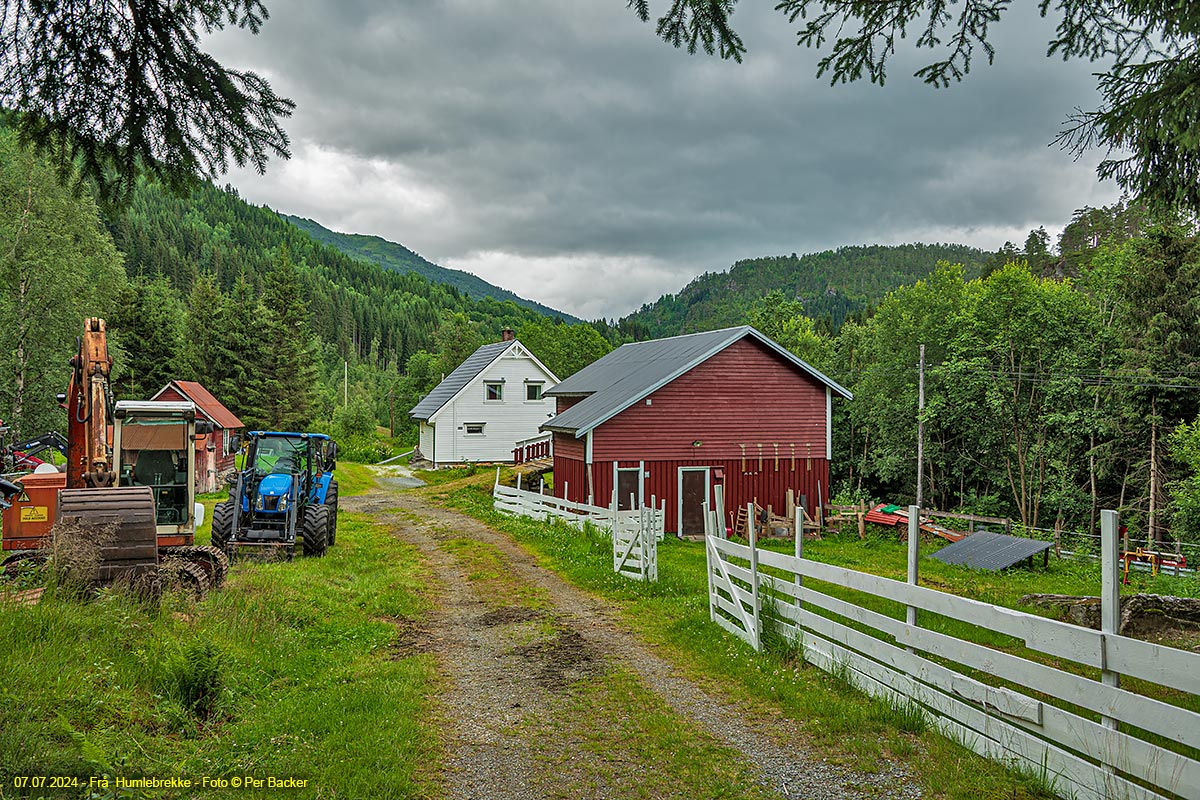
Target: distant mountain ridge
(832,284)
(398,258)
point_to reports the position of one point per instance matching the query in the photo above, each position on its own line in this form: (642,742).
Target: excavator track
(123,521)
(212,560)
(178,574)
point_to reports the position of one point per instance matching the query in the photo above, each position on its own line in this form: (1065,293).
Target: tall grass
(288,671)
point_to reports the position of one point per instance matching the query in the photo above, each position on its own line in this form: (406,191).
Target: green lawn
(291,670)
(843,724)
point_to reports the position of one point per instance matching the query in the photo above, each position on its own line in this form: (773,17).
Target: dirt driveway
(548,695)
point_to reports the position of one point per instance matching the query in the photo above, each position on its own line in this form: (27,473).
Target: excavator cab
(154,446)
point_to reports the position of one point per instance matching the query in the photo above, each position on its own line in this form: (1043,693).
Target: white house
(480,411)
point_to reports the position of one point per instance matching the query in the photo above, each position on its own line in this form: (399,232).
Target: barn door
(693,493)
(629,488)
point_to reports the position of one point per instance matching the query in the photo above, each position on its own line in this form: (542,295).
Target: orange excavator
(147,514)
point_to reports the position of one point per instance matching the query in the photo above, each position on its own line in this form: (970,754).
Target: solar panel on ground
(983,550)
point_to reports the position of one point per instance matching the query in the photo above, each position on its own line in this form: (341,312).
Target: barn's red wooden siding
(744,395)
(570,474)
(767,487)
(567,445)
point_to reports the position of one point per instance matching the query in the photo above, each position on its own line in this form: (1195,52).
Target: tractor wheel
(331,500)
(316,530)
(222,524)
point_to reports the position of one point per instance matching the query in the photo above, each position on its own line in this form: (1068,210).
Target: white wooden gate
(635,533)
(733,588)
(635,548)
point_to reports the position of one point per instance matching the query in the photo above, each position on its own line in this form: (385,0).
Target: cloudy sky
(560,150)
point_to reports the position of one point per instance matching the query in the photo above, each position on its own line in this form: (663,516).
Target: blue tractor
(284,490)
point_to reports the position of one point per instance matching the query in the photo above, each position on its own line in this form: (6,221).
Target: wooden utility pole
(392,411)
(920,424)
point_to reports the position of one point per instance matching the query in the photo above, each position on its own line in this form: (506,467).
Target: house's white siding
(505,422)
(426,442)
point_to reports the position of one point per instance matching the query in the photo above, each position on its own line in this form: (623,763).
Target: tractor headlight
(283,503)
(258,503)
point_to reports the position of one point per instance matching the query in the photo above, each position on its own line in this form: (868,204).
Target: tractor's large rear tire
(331,500)
(222,524)
(316,530)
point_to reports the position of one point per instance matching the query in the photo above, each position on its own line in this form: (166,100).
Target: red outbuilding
(672,418)
(215,451)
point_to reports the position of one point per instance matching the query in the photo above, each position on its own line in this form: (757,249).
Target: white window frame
(540,398)
(487,391)
(468,425)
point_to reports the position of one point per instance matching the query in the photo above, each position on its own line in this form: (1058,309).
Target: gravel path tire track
(499,667)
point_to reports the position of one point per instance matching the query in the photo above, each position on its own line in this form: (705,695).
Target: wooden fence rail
(1090,738)
(635,533)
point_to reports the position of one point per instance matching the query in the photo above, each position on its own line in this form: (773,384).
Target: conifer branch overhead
(120,87)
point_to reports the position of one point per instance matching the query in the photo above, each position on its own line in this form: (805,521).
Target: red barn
(215,451)
(672,418)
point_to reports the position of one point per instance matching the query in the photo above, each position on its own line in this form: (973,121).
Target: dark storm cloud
(540,143)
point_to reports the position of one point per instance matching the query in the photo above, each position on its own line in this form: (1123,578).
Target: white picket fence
(1085,737)
(635,533)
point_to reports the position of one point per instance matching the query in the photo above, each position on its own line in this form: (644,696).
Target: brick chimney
(507,335)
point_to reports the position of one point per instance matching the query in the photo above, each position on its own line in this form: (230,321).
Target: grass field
(843,725)
(289,671)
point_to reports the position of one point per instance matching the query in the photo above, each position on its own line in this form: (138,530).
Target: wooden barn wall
(569,446)
(767,486)
(561,404)
(571,474)
(745,395)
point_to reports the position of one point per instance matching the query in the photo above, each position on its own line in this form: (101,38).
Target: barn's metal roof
(209,405)
(476,363)
(984,550)
(633,371)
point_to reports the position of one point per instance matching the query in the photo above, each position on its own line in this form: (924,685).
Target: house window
(474,428)
(494,391)
(533,391)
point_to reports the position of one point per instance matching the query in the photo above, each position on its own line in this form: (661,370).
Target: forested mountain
(363,312)
(398,258)
(832,285)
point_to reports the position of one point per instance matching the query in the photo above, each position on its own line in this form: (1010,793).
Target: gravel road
(504,661)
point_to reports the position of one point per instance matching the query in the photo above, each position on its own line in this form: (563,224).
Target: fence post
(709,528)
(756,634)
(1110,604)
(799,553)
(497,483)
(914,540)
(518,481)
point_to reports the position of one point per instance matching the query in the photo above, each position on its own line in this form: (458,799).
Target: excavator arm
(89,411)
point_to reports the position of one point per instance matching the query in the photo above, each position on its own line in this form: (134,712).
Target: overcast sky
(560,150)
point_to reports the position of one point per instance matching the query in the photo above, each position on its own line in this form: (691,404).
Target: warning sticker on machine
(35,514)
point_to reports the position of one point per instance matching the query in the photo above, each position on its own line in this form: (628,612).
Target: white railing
(635,533)
(1086,737)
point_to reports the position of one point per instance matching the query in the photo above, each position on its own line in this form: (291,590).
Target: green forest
(289,333)
(1061,377)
